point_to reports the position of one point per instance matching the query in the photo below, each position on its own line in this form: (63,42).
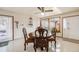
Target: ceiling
(34,11)
(20,10)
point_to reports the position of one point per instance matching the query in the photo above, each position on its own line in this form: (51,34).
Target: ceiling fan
(42,9)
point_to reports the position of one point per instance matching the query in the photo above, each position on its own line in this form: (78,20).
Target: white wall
(23,19)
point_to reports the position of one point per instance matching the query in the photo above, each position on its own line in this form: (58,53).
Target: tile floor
(62,46)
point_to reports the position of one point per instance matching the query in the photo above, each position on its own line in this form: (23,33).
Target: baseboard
(59,36)
(69,39)
(18,38)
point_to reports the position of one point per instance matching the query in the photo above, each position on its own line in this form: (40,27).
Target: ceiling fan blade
(39,8)
(48,10)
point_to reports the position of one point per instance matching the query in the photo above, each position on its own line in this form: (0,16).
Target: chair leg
(35,49)
(41,48)
(27,43)
(55,46)
(47,49)
(51,43)
(24,46)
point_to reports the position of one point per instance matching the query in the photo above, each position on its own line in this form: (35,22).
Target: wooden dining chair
(52,38)
(40,39)
(25,37)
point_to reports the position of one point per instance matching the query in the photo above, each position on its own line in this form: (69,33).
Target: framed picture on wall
(58,26)
(55,24)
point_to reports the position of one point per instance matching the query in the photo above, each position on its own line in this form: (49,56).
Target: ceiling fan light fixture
(42,14)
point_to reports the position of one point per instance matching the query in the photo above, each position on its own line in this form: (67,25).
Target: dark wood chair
(27,39)
(41,39)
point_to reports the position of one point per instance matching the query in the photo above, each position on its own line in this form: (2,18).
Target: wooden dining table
(31,39)
(50,39)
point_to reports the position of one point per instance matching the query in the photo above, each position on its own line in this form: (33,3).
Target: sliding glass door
(6,28)
(71,27)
